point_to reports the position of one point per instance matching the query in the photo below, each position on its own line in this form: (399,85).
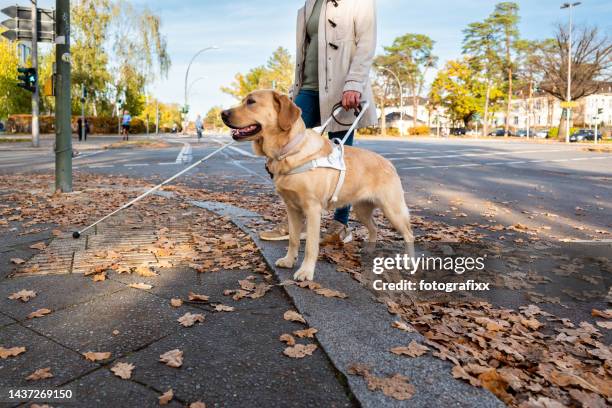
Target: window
(516,120)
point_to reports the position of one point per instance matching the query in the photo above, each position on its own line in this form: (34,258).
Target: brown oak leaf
(24,295)
(123,370)
(293,316)
(413,349)
(306,333)
(97,356)
(197,404)
(166,397)
(40,374)
(39,313)
(17,261)
(11,352)
(175,302)
(141,285)
(188,319)
(300,350)
(39,245)
(287,338)
(172,358)
(194,297)
(224,308)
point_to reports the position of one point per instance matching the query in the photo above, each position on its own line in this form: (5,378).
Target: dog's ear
(288,112)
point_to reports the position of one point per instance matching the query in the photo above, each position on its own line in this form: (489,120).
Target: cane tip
(76,235)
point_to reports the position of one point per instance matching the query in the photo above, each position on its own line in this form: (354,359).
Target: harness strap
(287,149)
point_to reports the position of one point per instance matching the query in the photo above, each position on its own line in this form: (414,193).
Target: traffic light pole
(63,130)
(35,94)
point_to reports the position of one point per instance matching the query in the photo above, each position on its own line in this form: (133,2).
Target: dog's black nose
(225,115)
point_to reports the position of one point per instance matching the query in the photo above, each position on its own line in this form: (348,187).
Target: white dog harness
(335,160)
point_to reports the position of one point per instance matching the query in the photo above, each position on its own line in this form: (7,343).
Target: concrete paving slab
(139,317)
(102,389)
(6,320)
(358,330)
(40,352)
(235,360)
(55,292)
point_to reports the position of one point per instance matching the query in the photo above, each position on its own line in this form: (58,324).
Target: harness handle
(364,105)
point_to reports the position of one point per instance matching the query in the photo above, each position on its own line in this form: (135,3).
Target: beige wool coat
(347,43)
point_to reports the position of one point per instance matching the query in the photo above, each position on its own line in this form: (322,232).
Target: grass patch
(139,144)
(11,140)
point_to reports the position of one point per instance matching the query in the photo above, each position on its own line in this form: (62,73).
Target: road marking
(99,166)
(136,165)
(166,164)
(237,149)
(185,155)
(505,163)
(449,156)
(82,156)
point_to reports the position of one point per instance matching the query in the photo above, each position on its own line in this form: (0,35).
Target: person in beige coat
(336,42)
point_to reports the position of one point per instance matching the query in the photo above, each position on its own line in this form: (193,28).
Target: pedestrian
(125,125)
(80,129)
(87,130)
(336,42)
(199,126)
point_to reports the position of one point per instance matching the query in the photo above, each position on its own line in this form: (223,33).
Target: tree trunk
(415,110)
(562,127)
(383,118)
(509,107)
(485,119)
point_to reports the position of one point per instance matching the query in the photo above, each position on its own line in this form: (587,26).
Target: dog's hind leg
(395,209)
(363,212)
(295,219)
(311,253)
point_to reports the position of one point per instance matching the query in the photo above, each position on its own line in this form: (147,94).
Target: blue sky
(248,31)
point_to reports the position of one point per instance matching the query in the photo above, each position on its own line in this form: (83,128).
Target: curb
(358,330)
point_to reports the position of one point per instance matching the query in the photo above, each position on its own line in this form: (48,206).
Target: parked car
(500,132)
(583,135)
(542,133)
(1,127)
(523,133)
(458,131)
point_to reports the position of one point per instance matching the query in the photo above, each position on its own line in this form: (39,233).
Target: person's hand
(350,100)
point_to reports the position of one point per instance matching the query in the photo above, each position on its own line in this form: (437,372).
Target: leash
(77,234)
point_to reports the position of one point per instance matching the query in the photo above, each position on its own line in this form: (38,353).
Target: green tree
(140,53)
(505,20)
(481,47)
(213,118)
(410,57)
(90,21)
(277,74)
(458,89)
(12,98)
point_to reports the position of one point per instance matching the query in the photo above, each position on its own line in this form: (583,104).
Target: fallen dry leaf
(459,372)
(606,314)
(197,404)
(194,297)
(123,370)
(287,338)
(166,397)
(99,277)
(145,271)
(300,350)
(402,326)
(395,386)
(293,316)
(306,333)
(492,381)
(11,352)
(330,293)
(24,295)
(141,285)
(40,374)
(97,356)
(188,319)
(224,308)
(413,349)
(605,325)
(172,358)
(175,302)
(17,261)
(39,245)
(39,313)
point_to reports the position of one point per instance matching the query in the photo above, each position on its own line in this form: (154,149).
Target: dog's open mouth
(241,133)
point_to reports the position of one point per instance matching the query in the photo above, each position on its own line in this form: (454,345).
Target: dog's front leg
(295,220)
(313,227)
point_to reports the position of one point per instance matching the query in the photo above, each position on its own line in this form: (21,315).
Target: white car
(542,133)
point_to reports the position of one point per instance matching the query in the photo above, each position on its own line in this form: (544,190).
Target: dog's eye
(250,101)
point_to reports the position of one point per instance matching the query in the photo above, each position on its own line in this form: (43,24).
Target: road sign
(27,78)
(20,24)
(571,104)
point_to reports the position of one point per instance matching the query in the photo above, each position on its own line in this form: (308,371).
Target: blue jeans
(308,101)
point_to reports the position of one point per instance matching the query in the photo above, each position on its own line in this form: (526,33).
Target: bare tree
(591,64)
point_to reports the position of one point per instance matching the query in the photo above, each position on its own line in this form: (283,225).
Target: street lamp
(568,109)
(190,88)
(401,89)
(214,47)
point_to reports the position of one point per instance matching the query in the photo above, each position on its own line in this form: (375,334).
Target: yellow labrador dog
(273,122)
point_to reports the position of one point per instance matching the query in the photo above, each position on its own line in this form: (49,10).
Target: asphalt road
(564,188)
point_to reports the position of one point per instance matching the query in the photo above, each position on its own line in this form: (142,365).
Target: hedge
(97,125)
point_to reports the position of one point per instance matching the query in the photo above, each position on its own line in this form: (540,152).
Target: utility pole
(156,117)
(83,96)
(63,130)
(35,94)
(568,110)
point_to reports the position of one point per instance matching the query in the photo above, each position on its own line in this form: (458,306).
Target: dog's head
(261,114)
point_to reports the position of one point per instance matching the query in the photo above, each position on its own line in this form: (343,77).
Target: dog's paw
(285,262)
(303,274)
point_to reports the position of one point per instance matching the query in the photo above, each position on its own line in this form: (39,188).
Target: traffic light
(27,79)
(599,111)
